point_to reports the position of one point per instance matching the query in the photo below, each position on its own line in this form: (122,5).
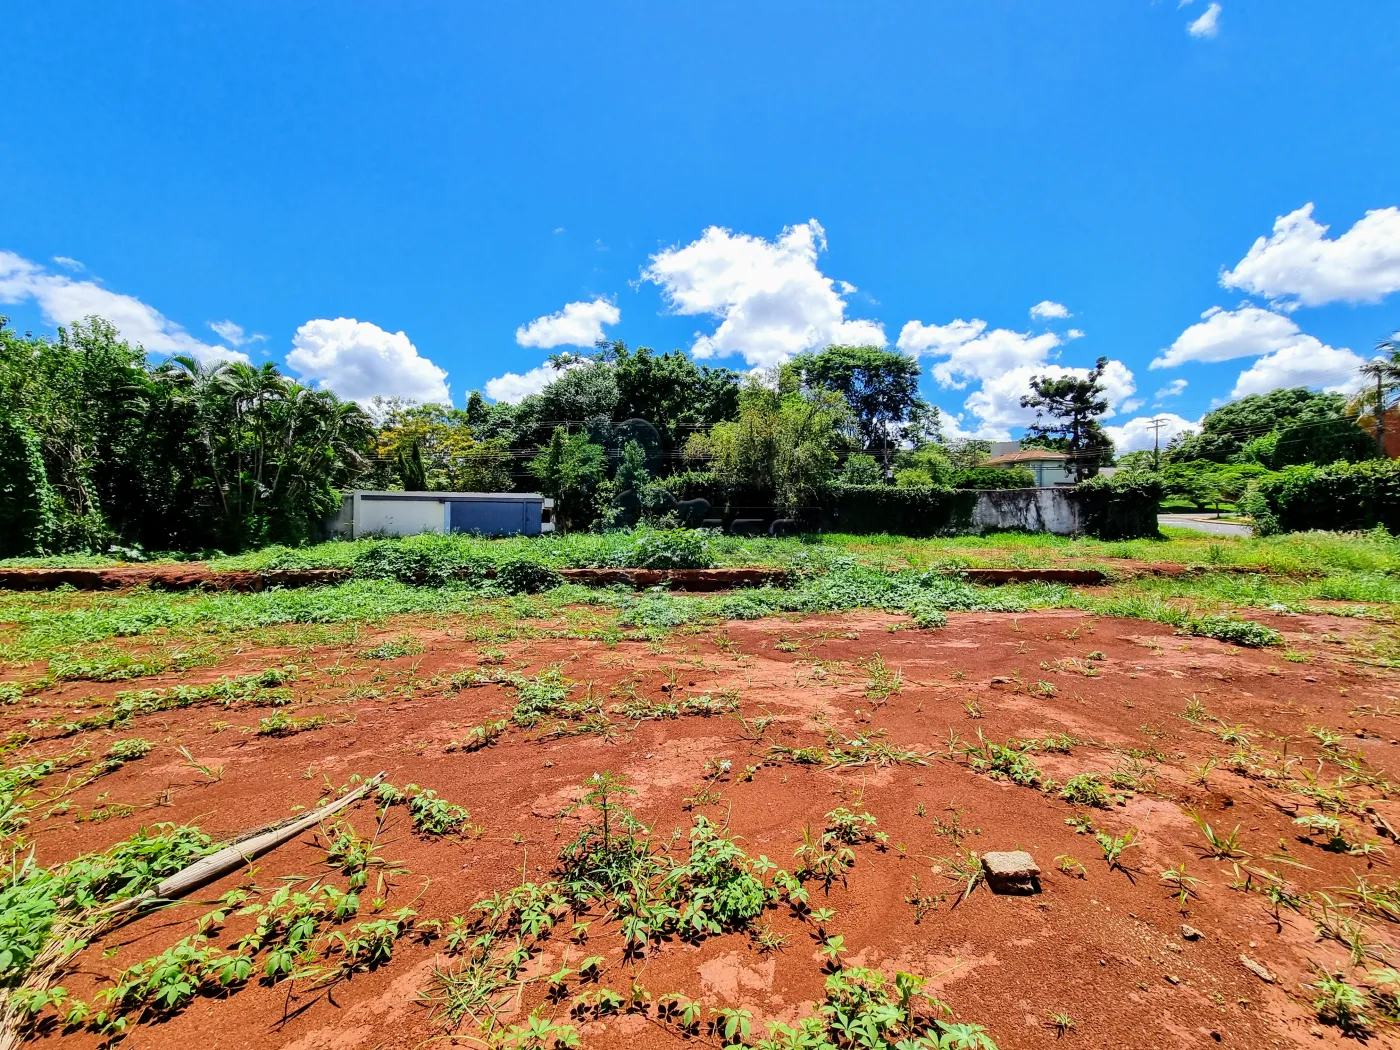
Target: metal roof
(448,497)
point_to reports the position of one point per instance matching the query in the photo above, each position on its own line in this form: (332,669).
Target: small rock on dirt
(1257,968)
(1190,933)
(1011,871)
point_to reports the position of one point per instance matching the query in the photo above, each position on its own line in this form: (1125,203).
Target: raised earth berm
(193,576)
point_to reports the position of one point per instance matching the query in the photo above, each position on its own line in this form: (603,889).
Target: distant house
(1049,468)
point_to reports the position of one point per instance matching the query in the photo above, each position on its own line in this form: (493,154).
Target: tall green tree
(1285,426)
(570,469)
(882,389)
(1067,411)
(785,443)
(671,392)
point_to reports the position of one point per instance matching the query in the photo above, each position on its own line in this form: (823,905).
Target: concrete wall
(1031,510)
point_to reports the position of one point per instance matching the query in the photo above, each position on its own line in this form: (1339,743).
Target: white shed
(375,513)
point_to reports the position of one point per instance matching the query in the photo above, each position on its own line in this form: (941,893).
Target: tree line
(104,449)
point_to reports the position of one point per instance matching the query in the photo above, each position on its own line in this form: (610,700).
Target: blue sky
(736,179)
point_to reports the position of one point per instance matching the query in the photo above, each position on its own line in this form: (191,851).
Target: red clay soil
(1105,947)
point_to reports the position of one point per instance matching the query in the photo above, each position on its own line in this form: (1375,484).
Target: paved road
(1204,523)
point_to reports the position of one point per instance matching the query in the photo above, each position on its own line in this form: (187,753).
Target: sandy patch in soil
(1105,947)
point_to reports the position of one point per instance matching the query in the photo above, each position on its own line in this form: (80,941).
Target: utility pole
(1157,424)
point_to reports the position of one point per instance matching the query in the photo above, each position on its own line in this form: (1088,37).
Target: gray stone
(1012,871)
(1190,932)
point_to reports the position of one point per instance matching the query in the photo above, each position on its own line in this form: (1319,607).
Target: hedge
(1122,507)
(694,484)
(929,511)
(1337,498)
(994,478)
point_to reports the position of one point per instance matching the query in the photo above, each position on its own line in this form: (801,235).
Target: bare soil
(1105,947)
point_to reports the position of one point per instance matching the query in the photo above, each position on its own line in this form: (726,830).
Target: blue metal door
(490,517)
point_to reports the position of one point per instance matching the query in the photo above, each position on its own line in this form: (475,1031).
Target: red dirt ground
(1106,948)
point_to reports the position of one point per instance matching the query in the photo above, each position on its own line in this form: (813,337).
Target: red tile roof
(1031,455)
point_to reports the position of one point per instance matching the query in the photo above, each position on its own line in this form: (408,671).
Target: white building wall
(400,517)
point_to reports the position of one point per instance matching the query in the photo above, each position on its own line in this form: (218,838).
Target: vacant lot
(620,818)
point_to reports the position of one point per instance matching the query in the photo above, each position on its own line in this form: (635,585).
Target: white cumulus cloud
(1136,435)
(63,300)
(1223,335)
(233,334)
(771,299)
(1301,264)
(1208,24)
(1305,362)
(1045,310)
(998,402)
(968,351)
(1172,389)
(359,360)
(514,387)
(1002,362)
(578,324)
(919,338)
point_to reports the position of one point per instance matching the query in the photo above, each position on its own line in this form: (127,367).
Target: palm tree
(1384,372)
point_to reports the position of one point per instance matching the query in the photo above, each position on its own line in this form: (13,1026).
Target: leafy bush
(861,469)
(427,561)
(519,576)
(665,549)
(913,478)
(694,484)
(994,478)
(900,511)
(1122,507)
(721,879)
(1245,633)
(32,898)
(930,460)
(1340,497)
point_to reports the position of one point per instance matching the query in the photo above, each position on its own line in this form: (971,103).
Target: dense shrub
(994,478)
(913,478)
(665,549)
(1338,498)
(1122,507)
(519,576)
(899,511)
(694,484)
(861,469)
(427,560)
(1230,629)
